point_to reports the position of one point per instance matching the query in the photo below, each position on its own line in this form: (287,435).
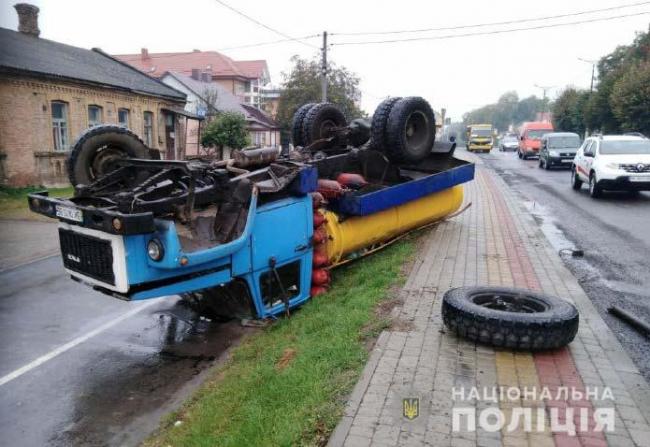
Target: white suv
(612,162)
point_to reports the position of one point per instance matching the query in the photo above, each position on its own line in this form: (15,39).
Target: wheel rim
(104,160)
(325,129)
(417,130)
(509,302)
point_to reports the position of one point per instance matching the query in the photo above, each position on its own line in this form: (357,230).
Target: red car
(530,135)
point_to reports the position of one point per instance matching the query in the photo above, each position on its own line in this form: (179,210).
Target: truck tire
(319,120)
(510,318)
(98,147)
(410,130)
(296,123)
(378,125)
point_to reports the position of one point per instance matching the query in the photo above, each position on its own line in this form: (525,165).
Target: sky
(459,74)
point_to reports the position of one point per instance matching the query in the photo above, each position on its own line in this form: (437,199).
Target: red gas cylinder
(330,189)
(320,236)
(320,277)
(317,200)
(319,259)
(351,180)
(319,219)
(317,290)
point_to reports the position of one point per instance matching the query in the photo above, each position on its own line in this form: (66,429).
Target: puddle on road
(549,227)
(151,366)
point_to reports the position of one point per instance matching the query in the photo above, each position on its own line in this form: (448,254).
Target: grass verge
(13,201)
(287,385)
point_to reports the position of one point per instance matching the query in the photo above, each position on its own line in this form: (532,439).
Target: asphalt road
(613,231)
(81,368)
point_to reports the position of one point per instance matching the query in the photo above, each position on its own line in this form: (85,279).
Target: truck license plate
(568,160)
(69,213)
(639,178)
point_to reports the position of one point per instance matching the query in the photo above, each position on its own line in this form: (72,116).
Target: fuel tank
(350,234)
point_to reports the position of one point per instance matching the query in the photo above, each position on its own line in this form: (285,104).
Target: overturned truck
(255,235)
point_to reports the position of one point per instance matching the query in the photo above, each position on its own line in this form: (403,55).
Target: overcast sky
(459,74)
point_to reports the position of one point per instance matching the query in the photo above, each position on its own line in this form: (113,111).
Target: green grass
(251,400)
(13,201)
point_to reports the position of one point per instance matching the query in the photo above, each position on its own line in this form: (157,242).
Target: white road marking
(71,344)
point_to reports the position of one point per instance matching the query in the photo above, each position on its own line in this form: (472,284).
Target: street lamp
(544,90)
(593,72)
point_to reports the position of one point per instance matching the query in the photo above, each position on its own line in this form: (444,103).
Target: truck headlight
(155,250)
(612,166)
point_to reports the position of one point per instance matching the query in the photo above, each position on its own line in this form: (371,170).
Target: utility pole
(593,72)
(324,68)
(544,90)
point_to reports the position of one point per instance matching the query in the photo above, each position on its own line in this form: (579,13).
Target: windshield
(510,139)
(481,132)
(564,142)
(625,147)
(537,134)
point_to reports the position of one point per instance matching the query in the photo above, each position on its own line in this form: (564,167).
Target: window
(60,125)
(148,128)
(123,117)
(94,115)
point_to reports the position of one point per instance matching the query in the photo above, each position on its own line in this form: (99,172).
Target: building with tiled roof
(244,79)
(51,92)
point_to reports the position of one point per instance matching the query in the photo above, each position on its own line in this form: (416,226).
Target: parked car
(558,149)
(612,162)
(530,135)
(508,143)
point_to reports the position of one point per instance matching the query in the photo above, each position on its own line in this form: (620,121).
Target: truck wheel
(379,119)
(511,318)
(95,151)
(319,122)
(296,123)
(410,130)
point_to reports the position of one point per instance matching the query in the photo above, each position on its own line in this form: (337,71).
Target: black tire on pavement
(595,191)
(576,183)
(410,130)
(319,121)
(510,318)
(296,123)
(379,120)
(96,149)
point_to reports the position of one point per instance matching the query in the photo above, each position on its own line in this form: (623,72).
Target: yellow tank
(356,233)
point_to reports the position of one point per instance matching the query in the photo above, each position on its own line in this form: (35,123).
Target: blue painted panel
(283,230)
(202,282)
(362,205)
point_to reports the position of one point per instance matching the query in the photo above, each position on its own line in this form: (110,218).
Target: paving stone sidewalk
(495,242)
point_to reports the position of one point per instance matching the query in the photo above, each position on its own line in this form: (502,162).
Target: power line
(480,25)
(485,33)
(257,22)
(272,42)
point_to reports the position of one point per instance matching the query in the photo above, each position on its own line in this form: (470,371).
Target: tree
(630,99)
(569,111)
(303,84)
(507,111)
(228,129)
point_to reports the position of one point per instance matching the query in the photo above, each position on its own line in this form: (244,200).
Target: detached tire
(379,120)
(410,130)
(319,121)
(510,318)
(296,124)
(96,149)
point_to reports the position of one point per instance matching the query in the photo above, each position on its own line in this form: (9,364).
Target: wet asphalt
(110,388)
(613,231)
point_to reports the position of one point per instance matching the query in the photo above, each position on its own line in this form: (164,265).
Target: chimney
(144,54)
(196,74)
(206,76)
(27,19)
